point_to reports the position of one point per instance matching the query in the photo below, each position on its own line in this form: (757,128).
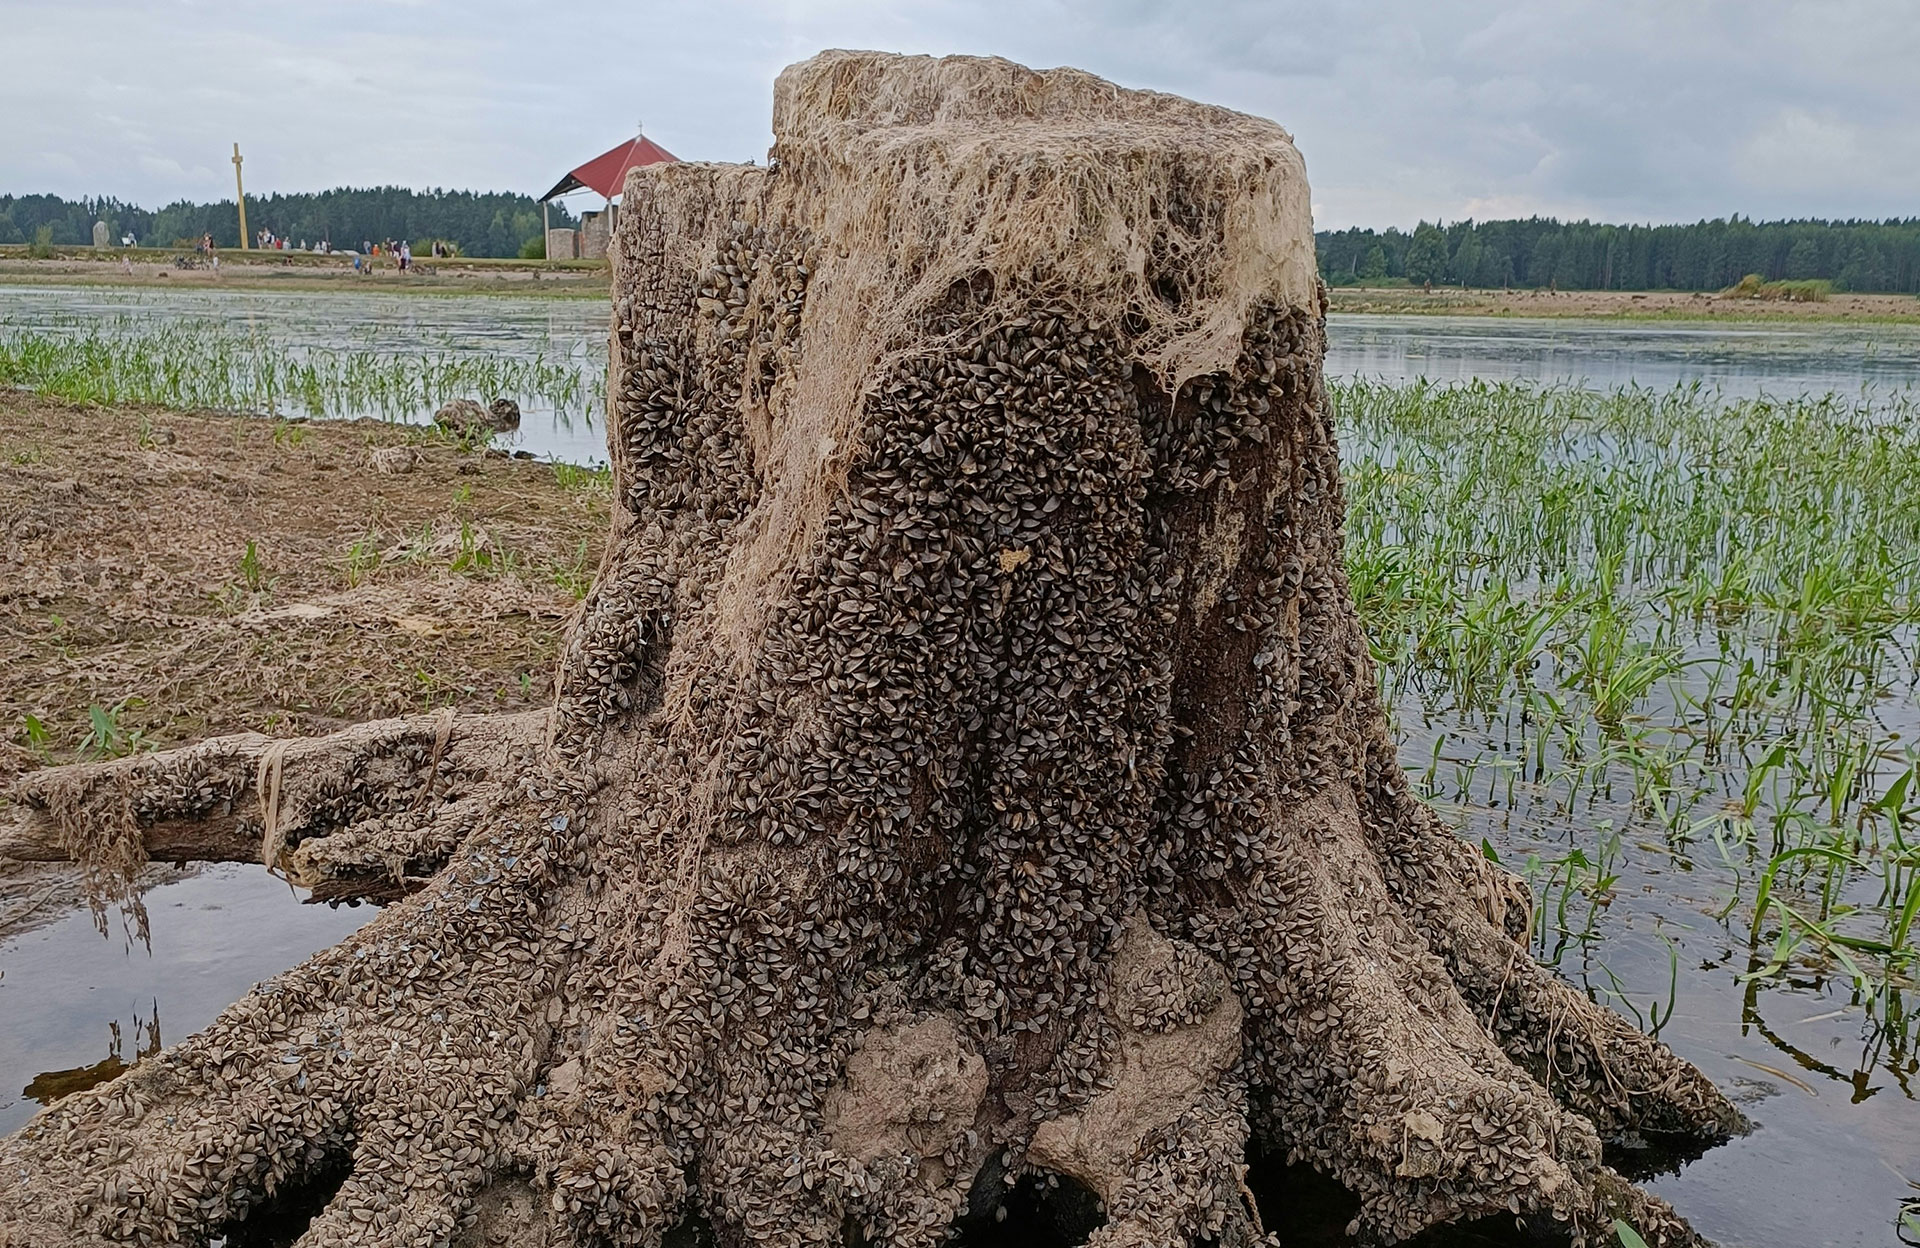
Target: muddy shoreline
(168,576)
(259,270)
(1659,305)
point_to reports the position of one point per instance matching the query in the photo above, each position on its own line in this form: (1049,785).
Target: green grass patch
(1608,622)
(192,365)
(1753,286)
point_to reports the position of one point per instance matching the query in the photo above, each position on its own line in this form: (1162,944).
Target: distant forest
(479,223)
(1580,255)
(1538,252)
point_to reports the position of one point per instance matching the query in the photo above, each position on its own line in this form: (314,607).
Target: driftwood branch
(303,805)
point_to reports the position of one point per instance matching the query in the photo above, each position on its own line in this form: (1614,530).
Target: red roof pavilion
(607,172)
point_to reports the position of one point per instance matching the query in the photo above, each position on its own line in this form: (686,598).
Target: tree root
(1590,1059)
(370,811)
(966,767)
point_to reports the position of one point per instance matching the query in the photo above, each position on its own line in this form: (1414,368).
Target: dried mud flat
(131,616)
(1676,305)
(303,271)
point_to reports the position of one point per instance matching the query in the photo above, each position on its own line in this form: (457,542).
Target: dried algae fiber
(966,770)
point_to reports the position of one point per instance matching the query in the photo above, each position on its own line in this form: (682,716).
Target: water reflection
(63,987)
(1887,1047)
(51,1085)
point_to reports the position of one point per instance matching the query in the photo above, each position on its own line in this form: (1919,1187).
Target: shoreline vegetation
(1636,628)
(1697,639)
(587,279)
(209,366)
(1621,305)
(171,268)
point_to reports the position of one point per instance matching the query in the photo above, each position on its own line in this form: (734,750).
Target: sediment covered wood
(369,808)
(967,765)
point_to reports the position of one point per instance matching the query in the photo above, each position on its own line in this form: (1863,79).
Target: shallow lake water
(71,998)
(397,329)
(1837,1145)
(1835,1148)
(1740,360)
(1737,360)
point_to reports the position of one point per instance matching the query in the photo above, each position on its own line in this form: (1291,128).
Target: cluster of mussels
(692,351)
(890,777)
(1067,656)
(1064,650)
(941,783)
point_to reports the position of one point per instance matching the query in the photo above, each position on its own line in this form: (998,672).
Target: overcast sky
(1406,110)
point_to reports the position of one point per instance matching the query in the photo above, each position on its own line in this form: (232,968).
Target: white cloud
(1621,109)
(1796,148)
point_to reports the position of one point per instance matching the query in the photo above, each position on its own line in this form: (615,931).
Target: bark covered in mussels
(967,764)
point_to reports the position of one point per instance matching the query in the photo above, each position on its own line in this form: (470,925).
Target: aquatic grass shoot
(1660,628)
(207,365)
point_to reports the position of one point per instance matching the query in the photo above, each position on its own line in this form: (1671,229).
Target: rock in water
(468,417)
(968,759)
(463,416)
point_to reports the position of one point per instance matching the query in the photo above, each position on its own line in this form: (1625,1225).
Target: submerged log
(967,764)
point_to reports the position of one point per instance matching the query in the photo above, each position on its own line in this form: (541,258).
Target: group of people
(401,252)
(267,240)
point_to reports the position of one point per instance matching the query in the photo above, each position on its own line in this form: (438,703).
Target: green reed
(189,364)
(1682,620)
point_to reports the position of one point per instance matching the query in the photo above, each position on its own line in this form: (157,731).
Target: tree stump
(968,764)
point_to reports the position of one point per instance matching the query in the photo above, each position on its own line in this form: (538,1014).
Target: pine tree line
(1584,255)
(1536,252)
(480,223)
